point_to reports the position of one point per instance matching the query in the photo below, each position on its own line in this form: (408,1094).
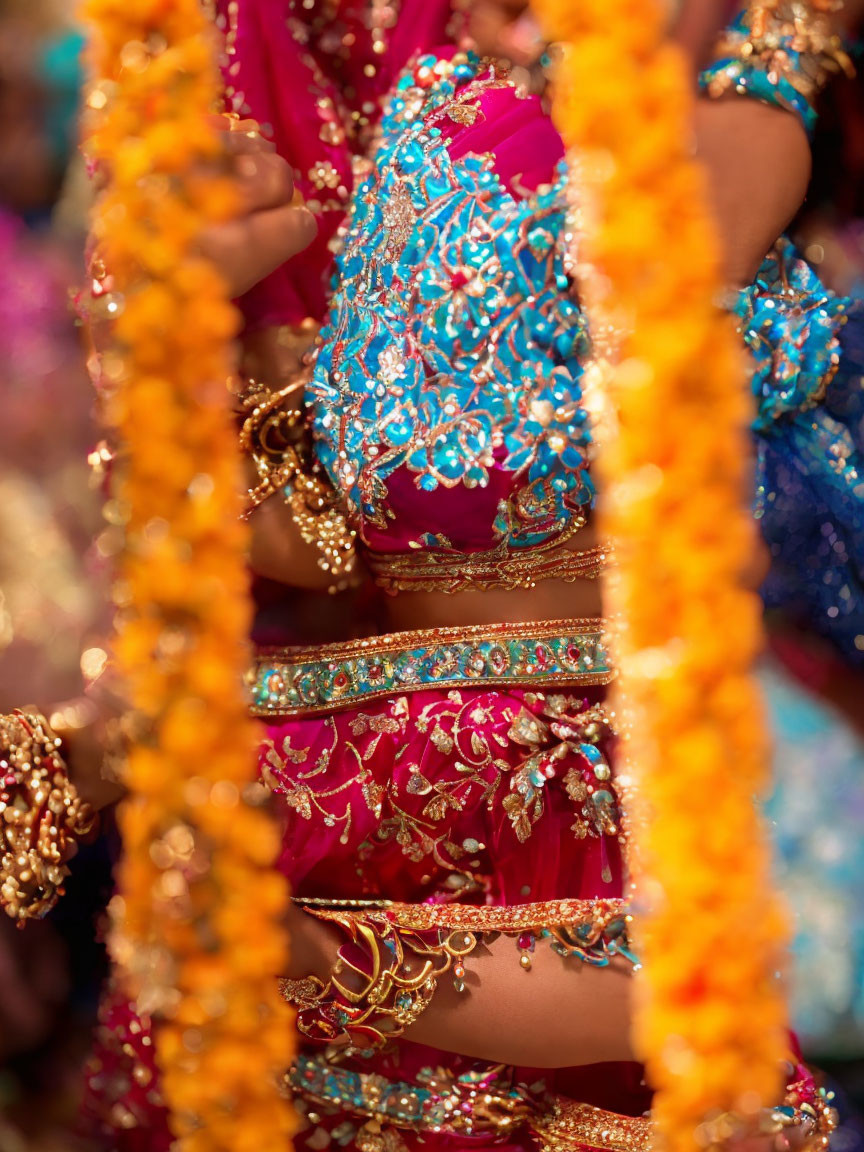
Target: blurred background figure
(50,587)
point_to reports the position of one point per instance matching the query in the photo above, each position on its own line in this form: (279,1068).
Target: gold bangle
(41,815)
(270,435)
(276,438)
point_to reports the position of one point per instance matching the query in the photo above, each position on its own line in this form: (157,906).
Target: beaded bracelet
(41,813)
(781,52)
(388,970)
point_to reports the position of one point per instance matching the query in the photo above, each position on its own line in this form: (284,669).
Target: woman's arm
(560,1013)
(758,162)
(279,552)
(757,158)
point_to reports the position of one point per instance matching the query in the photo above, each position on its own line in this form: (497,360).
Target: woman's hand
(273,225)
(758,163)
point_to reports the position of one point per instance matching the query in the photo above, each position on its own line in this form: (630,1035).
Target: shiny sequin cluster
(791,325)
(807,357)
(782,52)
(473,1103)
(41,816)
(487,1102)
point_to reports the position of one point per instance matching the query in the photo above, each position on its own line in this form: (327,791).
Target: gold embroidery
(399,216)
(463,113)
(440,1101)
(426,570)
(474,917)
(291,681)
(562,739)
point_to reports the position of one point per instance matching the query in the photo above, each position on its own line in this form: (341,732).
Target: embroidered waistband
(287,681)
(430,571)
(477,1103)
(596,912)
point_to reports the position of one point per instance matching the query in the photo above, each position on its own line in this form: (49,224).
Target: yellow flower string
(200,912)
(673,471)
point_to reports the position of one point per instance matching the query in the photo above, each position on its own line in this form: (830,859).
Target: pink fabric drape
(304,75)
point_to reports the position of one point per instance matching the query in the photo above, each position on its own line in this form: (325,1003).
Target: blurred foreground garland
(673,467)
(198,920)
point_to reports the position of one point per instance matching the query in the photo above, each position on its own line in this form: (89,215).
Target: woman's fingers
(251,247)
(237,142)
(265,180)
(271,228)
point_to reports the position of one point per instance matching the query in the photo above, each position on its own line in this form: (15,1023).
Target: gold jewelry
(40,814)
(276,437)
(273,428)
(797,38)
(781,52)
(386,974)
(321,522)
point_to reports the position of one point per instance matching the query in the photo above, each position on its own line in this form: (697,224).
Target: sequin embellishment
(301,680)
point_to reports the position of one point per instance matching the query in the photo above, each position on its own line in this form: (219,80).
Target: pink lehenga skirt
(465,770)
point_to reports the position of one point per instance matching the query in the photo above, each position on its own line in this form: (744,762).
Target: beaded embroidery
(288,681)
(453,345)
(488,1101)
(430,571)
(453,757)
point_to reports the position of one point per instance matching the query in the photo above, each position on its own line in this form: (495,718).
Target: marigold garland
(198,920)
(673,466)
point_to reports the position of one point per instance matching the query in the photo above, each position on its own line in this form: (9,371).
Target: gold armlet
(388,970)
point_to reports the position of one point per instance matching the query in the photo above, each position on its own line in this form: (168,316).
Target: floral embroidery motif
(578,733)
(428,780)
(452,347)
